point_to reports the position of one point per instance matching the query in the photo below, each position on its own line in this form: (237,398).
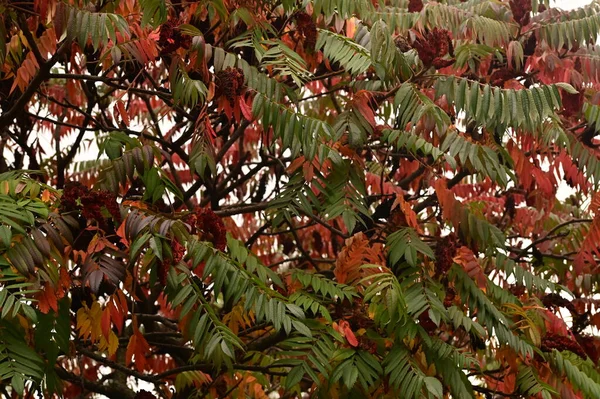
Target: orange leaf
(344,328)
(349,334)
(409,214)
(296,163)
(47,299)
(121,233)
(46,196)
(357,252)
(467,259)
(137,349)
(120,107)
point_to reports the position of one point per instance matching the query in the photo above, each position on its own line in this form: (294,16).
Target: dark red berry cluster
(561,343)
(445,252)
(230,83)
(450,297)
(426,322)
(170,38)
(521,10)
(509,206)
(359,314)
(555,301)
(588,344)
(530,45)
(434,45)
(308,29)
(572,103)
(415,5)
(366,344)
(317,241)
(91,203)
(499,76)
(209,226)
(177,252)
(517,290)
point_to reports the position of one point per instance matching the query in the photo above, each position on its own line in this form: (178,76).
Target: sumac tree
(332,198)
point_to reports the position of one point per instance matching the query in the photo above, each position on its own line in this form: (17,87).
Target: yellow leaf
(88,322)
(113,343)
(237,318)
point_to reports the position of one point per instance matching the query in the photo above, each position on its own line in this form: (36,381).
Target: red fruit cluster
(572,103)
(426,322)
(76,196)
(366,344)
(210,227)
(177,251)
(434,45)
(170,38)
(517,290)
(288,244)
(499,76)
(555,301)
(588,344)
(509,206)
(445,252)
(360,314)
(521,10)
(415,5)
(307,28)
(530,45)
(561,343)
(317,241)
(450,296)
(230,83)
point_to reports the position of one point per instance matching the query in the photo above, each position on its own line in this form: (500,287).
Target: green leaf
(154,12)
(294,377)
(301,328)
(434,386)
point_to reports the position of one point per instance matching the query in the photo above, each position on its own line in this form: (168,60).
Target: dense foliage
(339,198)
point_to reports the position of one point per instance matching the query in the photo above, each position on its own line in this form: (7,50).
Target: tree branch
(112,391)
(42,74)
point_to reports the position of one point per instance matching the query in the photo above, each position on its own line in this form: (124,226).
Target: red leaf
(595,320)
(344,328)
(118,309)
(120,108)
(210,132)
(105,322)
(246,109)
(137,349)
